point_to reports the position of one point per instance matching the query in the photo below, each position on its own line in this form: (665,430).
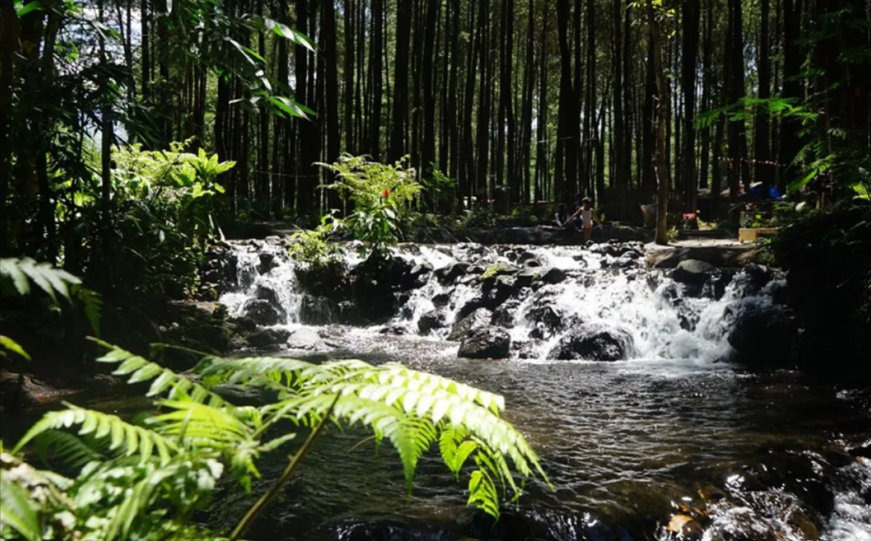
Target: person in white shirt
(588,217)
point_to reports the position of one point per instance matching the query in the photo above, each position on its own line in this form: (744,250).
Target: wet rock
(317,310)
(304,339)
(451,273)
(415,277)
(504,315)
(429,322)
(268,337)
(684,527)
(268,261)
(553,275)
(268,294)
(526,277)
(527,258)
(394,330)
(330,280)
(441,300)
(693,272)
(263,312)
(485,343)
(547,317)
(594,342)
(763,334)
(473,304)
(503,288)
(243,324)
(741,524)
(349,313)
(526,350)
(479,318)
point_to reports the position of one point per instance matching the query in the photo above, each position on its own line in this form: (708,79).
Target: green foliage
(316,247)
(382,196)
(493,271)
(15,278)
(142,480)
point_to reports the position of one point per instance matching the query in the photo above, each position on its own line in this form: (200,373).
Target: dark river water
(676,439)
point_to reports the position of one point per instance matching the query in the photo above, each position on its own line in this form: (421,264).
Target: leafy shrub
(315,247)
(382,197)
(143,479)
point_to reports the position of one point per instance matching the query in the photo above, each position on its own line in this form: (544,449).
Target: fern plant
(16,276)
(141,480)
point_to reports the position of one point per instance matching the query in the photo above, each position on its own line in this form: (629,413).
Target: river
(675,438)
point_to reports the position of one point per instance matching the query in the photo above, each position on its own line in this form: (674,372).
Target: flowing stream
(634,448)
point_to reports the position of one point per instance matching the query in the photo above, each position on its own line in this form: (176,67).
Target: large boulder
(263,312)
(479,318)
(265,338)
(553,275)
(763,334)
(430,321)
(506,314)
(268,294)
(485,343)
(594,342)
(693,272)
(451,273)
(317,310)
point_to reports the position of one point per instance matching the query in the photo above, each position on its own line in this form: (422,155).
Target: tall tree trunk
(566,173)
(590,107)
(760,140)
(660,160)
(376,74)
(707,83)
(429,103)
(541,165)
(348,72)
(617,124)
(9,33)
(145,24)
(691,16)
(307,129)
(331,84)
(400,83)
(453,102)
(648,180)
(525,154)
(792,88)
(467,168)
(483,125)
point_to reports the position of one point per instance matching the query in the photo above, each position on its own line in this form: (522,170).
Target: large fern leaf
(165,382)
(17,511)
(20,272)
(124,437)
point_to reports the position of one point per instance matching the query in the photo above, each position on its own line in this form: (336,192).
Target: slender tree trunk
(467,169)
(348,72)
(660,160)
(541,165)
(331,84)
(145,24)
(429,103)
(453,101)
(617,149)
(566,173)
(792,89)
(707,83)
(691,16)
(760,140)
(377,82)
(307,129)
(483,125)
(590,107)
(525,155)
(400,84)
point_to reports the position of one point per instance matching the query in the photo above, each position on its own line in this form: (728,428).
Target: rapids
(675,431)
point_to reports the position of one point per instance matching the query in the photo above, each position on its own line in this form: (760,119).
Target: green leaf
(18,512)
(13,346)
(31,6)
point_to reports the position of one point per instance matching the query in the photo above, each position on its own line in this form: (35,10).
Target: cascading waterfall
(663,322)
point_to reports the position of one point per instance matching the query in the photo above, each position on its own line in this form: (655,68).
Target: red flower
(386,193)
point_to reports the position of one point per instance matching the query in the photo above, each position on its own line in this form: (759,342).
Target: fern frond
(126,438)
(165,382)
(17,511)
(68,447)
(51,280)
(13,346)
(93,305)
(200,424)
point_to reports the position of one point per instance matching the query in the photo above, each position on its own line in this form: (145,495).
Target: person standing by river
(587,215)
